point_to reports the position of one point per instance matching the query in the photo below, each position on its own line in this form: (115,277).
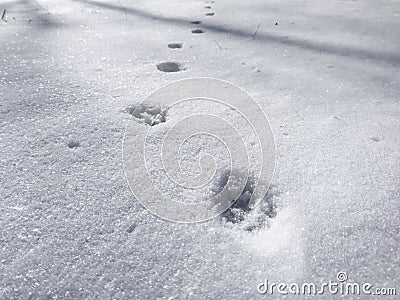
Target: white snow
(327,76)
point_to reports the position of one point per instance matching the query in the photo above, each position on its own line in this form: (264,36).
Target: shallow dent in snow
(197,31)
(150,114)
(170,67)
(240,213)
(73,144)
(175,45)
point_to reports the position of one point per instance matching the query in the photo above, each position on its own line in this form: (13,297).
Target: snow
(327,76)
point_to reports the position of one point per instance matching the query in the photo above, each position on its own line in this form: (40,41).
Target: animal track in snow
(175,45)
(73,144)
(208,7)
(197,30)
(240,213)
(261,215)
(150,114)
(170,67)
(196,22)
(210,14)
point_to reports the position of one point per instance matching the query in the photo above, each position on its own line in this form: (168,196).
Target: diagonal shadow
(355,53)
(34,11)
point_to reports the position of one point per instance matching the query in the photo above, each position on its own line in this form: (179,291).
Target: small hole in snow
(196,22)
(73,144)
(150,114)
(197,30)
(170,67)
(210,14)
(175,45)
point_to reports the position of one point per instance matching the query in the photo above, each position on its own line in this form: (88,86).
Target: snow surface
(325,72)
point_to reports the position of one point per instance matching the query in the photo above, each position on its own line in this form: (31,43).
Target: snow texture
(325,72)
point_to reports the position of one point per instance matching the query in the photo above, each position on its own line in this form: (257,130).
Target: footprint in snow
(240,213)
(150,114)
(196,22)
(175,45)
(198,30)
(170,67)
(73,144)
(209,14)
